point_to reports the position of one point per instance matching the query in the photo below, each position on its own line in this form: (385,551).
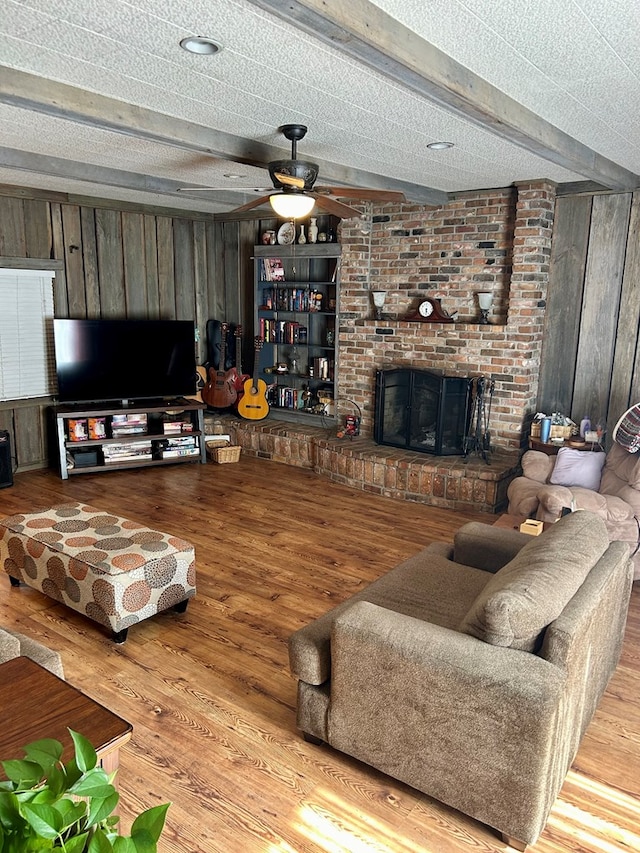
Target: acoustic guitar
(253,404)
(240,377)
(220,391)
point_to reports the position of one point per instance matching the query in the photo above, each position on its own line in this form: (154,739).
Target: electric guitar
(220,391)
(253,404)
(240,377)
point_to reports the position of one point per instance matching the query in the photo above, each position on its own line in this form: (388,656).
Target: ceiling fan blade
(334,207)
(256,202)
(289,180)
(358,192)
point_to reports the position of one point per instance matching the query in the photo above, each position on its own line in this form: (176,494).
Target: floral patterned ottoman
(115,571)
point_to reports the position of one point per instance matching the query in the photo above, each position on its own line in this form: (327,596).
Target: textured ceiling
(573,63)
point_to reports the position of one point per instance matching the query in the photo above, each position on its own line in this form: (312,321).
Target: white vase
(302,238)
(313,230)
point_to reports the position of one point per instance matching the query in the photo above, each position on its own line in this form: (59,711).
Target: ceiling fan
(295,195)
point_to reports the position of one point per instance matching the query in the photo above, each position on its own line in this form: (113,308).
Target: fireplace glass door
(422,411)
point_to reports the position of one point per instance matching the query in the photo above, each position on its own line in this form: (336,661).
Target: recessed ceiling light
(233,175)
(439,146)
(201,45)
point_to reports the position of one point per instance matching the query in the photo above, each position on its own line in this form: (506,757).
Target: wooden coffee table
(36,704)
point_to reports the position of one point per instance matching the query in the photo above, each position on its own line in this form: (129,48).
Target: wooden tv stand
(144,439)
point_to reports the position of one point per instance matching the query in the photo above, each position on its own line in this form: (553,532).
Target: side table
(36,704)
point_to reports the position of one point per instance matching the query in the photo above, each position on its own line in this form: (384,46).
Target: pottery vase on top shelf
(302,238)
(312,230)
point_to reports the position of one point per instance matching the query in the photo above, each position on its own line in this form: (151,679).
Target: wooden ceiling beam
(369,35)
(30,92)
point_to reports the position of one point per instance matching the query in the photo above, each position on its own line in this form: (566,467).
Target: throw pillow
(578,468)
(533,589)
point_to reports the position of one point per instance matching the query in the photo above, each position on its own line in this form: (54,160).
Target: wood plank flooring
(209,692)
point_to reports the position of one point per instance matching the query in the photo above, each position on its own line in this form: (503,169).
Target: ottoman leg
(14,581)
(181,606)
(120,636)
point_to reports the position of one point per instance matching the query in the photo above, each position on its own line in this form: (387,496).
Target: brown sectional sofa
(472,671)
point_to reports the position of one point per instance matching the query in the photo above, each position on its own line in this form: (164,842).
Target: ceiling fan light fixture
(439,146)
(291,205)
(201,45)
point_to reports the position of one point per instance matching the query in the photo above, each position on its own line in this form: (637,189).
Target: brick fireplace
(492,240)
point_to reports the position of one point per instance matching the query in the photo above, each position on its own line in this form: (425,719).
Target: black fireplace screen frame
(420,410)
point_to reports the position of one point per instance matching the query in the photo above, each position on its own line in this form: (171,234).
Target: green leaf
(151,822)
(45,820)
(86,757)
(100,808)
(24,774)
(9,810)
(94,783)
(47,753)
(124,845)
(77,844)
(100,843)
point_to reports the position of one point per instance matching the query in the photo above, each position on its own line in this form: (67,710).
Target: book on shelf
(292,299)
(176,452)
(132,451)
(271,269)
(282,331)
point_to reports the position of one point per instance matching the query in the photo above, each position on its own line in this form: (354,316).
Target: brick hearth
(446,481)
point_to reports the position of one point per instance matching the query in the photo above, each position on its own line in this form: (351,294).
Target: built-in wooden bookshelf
(296,297)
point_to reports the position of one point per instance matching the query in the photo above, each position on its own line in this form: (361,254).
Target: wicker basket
(230,453)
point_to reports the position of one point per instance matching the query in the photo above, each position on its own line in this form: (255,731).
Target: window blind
(27,357)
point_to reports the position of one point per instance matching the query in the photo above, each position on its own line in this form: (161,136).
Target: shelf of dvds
(296,297)
(98,437)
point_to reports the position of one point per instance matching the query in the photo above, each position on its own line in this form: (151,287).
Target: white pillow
(578,468)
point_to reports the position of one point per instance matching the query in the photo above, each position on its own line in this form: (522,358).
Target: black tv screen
(124,359)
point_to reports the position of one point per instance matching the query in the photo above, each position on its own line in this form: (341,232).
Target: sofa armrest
(425,704)
(483,546)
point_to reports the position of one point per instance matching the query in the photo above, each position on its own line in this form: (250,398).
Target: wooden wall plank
(133,251)
(201,290)
(90,252)
(37,227)
(625,381)
(61,300)
(564,299)
(231,272)
(12,234)
(166,272)
(151,266)
(74,261)
(215,279)
(184,269)
(30,436)
(110,263)
(603,281)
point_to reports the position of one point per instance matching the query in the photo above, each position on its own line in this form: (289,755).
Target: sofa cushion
(532,590)
(537,465)
(577,468)
(427,586)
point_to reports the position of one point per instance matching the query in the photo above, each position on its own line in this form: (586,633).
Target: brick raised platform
(446,481)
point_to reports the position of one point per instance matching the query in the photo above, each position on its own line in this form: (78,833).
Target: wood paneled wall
(120,261)
(591,357)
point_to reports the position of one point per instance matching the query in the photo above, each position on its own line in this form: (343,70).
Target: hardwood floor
(209,692)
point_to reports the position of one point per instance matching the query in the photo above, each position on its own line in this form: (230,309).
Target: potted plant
(48,805)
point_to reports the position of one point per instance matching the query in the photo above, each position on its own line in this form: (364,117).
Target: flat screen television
(108,360)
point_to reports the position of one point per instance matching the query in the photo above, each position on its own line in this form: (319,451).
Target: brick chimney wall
(492,240)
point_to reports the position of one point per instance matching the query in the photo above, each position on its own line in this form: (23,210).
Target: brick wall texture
(491,240)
